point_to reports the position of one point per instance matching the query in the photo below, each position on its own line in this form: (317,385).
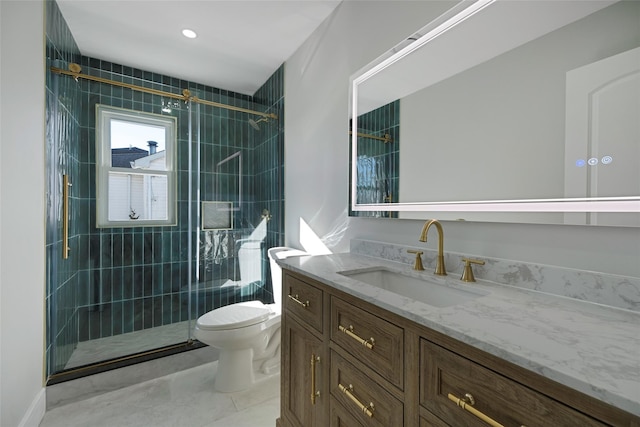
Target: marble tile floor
(185,398)
(100,349)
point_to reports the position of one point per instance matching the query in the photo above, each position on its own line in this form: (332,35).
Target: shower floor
(101,349)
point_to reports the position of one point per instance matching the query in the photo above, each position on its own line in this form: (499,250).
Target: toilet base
(270,366)
(232,374)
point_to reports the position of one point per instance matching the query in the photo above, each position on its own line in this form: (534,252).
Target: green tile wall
(62,157)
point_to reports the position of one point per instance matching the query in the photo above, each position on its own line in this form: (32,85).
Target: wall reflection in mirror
(378,157)
(523,112)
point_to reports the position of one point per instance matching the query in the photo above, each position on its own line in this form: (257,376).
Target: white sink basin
(416,288)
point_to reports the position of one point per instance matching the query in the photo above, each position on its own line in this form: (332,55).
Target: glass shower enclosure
(135,291)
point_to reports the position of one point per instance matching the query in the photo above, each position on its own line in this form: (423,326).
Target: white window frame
(104,116)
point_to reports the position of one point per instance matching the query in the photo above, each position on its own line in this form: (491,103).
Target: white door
(602,138)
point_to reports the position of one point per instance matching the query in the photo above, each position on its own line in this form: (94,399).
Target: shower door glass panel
(230,265)
(122,291)
(134,290)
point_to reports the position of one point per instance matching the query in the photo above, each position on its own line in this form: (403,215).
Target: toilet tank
(276,253)
(250,261)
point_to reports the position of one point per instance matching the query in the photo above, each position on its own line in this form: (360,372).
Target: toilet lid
(234,316)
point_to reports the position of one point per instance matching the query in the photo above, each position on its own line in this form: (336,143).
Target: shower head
(254,123)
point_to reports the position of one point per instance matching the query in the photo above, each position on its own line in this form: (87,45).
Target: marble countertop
(589,347)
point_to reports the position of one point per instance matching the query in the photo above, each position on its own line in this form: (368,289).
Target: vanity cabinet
(378,369)
(303,399)
(304,356)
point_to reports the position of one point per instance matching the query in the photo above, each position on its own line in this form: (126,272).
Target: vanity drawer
(427,419)
(445,375)
(341,417)
(363,399)
(304,300)
(378,344)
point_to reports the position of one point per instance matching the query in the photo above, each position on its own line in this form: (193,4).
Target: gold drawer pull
(314,393)
(367,410)
(467,403)
(295,298)
(349,331)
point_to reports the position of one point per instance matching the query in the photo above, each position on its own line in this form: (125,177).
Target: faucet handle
(467,274)
(418,263)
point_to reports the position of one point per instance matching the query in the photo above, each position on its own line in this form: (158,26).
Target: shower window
(135,168)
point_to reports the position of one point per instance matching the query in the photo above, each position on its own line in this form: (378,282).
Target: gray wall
(22,236)
(316,157)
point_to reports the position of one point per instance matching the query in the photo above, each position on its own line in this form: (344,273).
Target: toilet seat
(234,316)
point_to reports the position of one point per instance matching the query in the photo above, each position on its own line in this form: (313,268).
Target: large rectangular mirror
(510,111)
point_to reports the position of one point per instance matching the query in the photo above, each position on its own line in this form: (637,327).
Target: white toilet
(247,333)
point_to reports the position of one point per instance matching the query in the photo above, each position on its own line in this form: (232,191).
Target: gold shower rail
(386,138)
(75,71)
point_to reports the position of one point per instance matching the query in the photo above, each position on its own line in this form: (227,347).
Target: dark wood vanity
(347,362)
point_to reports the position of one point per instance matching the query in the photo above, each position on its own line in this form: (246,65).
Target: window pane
(138,146)
(137,197)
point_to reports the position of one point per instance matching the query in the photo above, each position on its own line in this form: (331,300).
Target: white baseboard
(36,411)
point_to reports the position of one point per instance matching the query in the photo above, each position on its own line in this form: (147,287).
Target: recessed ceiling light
(189,33)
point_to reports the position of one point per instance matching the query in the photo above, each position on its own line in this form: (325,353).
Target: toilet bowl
(247,334)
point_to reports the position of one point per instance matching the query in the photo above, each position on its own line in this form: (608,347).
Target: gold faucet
(440,268)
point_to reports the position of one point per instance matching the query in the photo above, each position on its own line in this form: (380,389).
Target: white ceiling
(240,43)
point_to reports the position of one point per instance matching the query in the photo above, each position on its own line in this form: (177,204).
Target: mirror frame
(459,13)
